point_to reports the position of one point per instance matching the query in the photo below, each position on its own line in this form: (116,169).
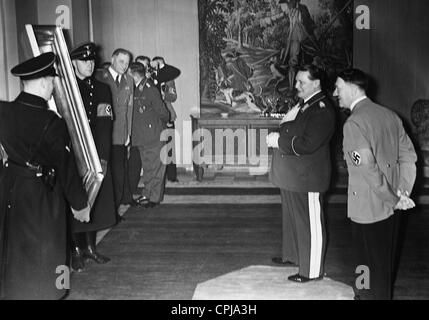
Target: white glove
(405,202)
(82,215)
(273,140)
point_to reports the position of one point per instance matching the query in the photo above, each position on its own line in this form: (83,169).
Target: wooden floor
(164,253)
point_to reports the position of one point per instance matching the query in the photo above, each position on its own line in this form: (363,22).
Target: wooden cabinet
(236,141)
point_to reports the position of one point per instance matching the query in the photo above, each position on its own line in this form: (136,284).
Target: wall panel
(395,52)
(155,27)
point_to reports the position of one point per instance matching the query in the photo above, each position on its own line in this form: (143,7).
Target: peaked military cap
(37,67)
(86,51)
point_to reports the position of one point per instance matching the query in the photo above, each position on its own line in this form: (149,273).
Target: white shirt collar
(114,74)
(305,101)
(356,102)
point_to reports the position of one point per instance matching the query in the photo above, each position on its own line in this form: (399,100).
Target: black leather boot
(77,261)
(90,251)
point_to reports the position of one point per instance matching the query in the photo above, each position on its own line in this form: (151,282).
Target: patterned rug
(269,283)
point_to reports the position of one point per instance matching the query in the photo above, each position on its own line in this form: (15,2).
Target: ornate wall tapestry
(249,50)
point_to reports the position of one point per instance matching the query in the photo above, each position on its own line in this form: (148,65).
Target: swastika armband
(356,158)
(361,157)
(104,110)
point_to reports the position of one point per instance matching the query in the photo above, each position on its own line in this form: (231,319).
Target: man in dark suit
(381,164)
(97,99)
(39,182)
(121,86)
(301,168)
(149,120)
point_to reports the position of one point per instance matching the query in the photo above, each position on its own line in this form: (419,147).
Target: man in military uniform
(165,75)
(39,183)
(97,100)
(381,164)
(121,86)
(149,119)
(301,168)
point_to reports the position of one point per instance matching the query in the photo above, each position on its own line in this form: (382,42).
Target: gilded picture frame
(68,103)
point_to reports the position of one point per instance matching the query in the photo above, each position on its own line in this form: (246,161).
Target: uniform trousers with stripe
(304,231)
(376,247)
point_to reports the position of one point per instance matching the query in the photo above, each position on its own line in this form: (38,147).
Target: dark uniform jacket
(303,163)
(32,215)
(149,116)
(122,99)
(97,100)
(380,159)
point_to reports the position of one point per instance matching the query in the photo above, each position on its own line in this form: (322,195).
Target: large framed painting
(67,102)
(250,49)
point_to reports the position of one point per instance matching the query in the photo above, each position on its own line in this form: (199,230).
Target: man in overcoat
(39,182)
(97,99)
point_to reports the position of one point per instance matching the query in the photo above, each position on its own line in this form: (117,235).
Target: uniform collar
(114,74)
(312,96)
(356,102)
(32,101)
(87,81)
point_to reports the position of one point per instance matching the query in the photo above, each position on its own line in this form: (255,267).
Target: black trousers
(121,184)
(135,168)
(377,248)
(171,171)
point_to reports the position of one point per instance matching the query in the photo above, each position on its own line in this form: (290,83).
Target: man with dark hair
(149,119)
(97,99)
(40,180)
(144,60)
(381,163)
(121,86)
(301,168)
(164,80)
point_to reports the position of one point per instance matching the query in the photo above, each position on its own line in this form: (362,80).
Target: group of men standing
(127,113)
(381,164)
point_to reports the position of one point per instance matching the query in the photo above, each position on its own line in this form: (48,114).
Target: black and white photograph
(215,155)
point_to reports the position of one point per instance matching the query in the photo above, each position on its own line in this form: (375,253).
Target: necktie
(301,103)
(117,81)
